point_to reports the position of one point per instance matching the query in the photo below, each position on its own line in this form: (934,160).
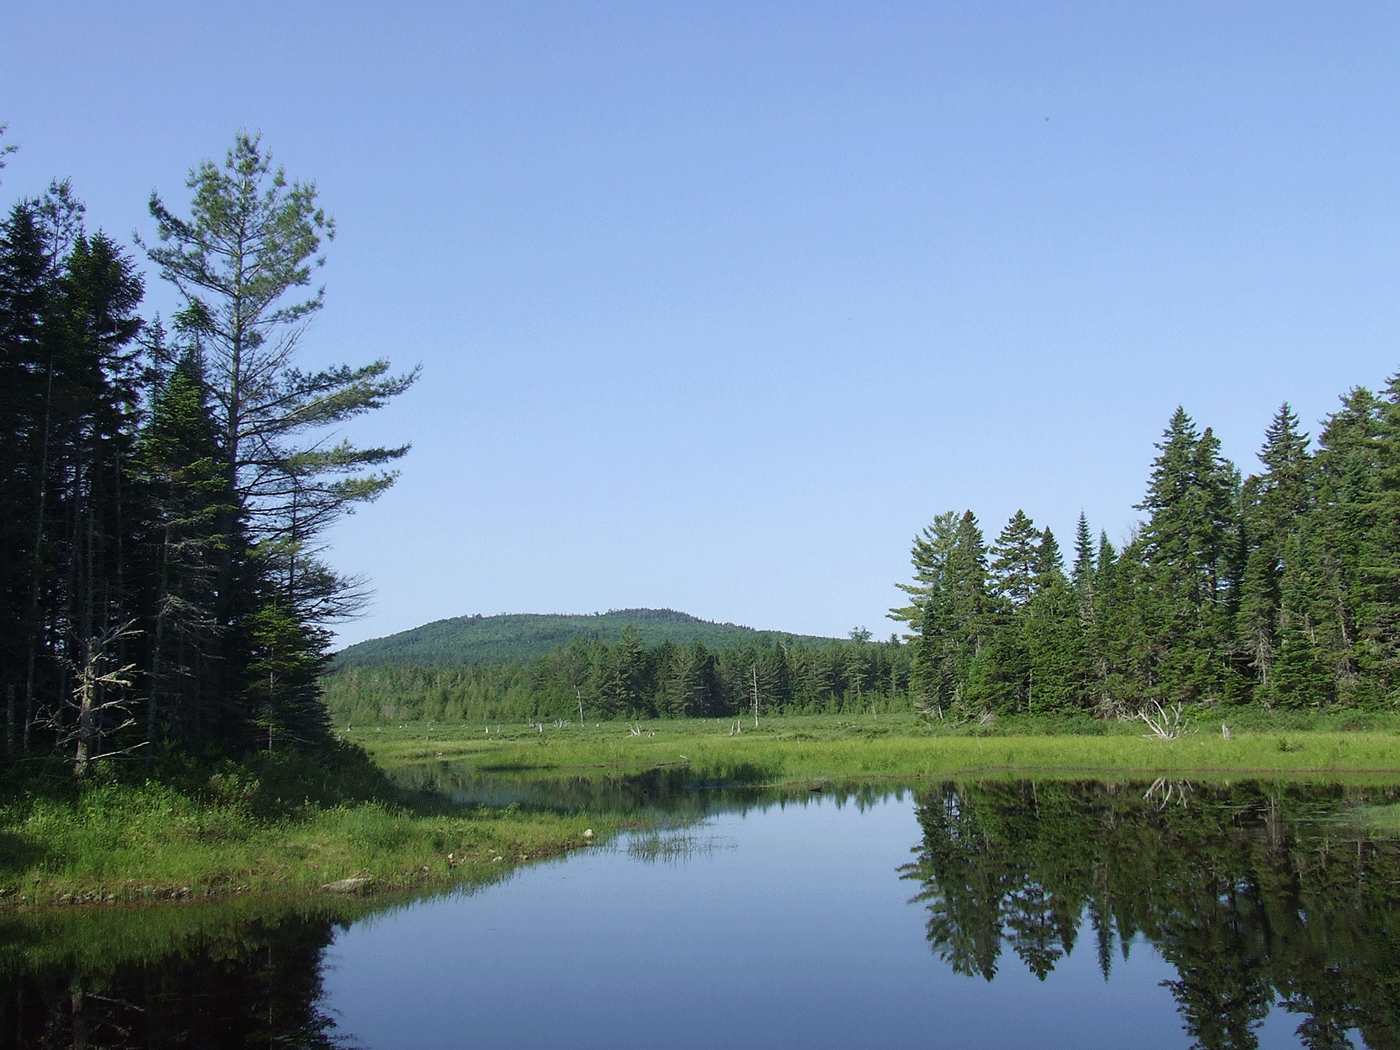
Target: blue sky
(719,304)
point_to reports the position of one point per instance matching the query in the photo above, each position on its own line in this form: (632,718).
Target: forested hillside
(627,679)
(507,638)
(1281,589)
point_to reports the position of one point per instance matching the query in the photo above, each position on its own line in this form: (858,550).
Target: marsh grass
(804,748)
(674,846)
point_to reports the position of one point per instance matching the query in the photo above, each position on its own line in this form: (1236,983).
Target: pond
(992,913)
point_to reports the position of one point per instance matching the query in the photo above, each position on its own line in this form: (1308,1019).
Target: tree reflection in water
(1245,889)
(233,984)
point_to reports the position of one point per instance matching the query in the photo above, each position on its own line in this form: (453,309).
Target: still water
(791,925)
(998,914)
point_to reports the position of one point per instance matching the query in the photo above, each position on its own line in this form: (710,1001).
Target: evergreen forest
(626,678)
(1280,590)
(509,637)
(166,487)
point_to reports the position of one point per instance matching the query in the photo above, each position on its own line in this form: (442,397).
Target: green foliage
(627,679)
(161,590)
(1281,590)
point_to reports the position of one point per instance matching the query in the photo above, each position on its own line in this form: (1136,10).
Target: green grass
(786,749)
(289,827)
(114,842)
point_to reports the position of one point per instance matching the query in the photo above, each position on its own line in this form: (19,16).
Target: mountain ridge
(507,637)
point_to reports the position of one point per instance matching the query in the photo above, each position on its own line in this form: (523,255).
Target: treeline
(1281,589)
(163,492)
(627,679)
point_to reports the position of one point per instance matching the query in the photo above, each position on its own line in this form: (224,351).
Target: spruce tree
(1378,615)
(1274,506)
(1059,673)
(1342,527)
(1016,558)
(194,675)
(1186,542)
(1048,561)
(1082,572)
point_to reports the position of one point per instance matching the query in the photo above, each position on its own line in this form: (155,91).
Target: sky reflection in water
(786,926)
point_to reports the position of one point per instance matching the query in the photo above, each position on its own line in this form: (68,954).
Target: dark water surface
(993,914)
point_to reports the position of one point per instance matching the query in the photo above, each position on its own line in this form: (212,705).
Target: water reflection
(1246,902)
(675,791)
(178,976)
(1252,892)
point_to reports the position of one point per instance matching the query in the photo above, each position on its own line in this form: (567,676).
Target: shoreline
(145,845)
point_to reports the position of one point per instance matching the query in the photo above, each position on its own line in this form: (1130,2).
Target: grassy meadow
(790,749)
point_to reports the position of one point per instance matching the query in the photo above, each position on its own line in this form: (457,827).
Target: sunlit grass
(145,842)
(784,749)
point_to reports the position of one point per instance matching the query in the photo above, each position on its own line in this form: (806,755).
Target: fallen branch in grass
(1166,724)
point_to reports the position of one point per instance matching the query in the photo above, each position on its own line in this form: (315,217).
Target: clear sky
(718,304)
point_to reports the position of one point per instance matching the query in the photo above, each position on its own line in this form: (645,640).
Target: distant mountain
(503,639)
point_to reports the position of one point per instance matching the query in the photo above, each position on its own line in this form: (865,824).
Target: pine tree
(251,242)
(929,555)
(955,620)
(238,262)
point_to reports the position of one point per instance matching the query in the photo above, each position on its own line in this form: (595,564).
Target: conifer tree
(1347,473)
(1015,560)
(1274,506)
(1378,615)
(1058,672)
(239,262)
(1048,560)
(251,242)
(67,326)
(1186,541)
(184,486)
(929,556)
(1082,572)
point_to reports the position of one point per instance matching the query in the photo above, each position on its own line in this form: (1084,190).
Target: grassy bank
(280,829)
